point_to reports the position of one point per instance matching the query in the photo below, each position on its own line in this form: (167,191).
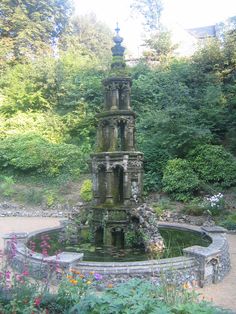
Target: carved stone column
(126,95)
(130,135)
(108,97)
(100,144)
(115,97)
(109,196)
(113,135)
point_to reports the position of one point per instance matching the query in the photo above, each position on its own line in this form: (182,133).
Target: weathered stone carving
(117,167)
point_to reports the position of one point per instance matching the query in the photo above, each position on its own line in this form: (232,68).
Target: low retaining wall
(199,266)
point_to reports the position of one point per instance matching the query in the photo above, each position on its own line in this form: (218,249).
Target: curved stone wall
(199,266)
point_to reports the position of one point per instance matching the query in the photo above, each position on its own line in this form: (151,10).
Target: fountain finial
(117,29)
(118,50)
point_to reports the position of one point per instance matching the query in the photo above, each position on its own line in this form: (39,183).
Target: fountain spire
(117,166)
(117,50)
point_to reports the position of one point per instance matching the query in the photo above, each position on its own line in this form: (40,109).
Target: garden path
(222,294)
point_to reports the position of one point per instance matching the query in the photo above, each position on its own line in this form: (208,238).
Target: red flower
(37,301)
(25,273)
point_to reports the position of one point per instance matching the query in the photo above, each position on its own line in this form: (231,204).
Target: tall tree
(87,33)
(150,10)
(30,27)
(158,38)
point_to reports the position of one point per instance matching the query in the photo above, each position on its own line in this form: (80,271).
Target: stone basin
(198,265)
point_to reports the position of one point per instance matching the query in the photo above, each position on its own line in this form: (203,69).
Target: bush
(151,182)
(230,222)
(179,179)
(195,208)
(214,165)
(86,191)
(30,153)
(47,125)
(7,186)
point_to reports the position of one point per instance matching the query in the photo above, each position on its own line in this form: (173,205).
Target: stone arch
(99,235)
(106,135)
(102,183)
(118,184)
(121,141)
(118,237)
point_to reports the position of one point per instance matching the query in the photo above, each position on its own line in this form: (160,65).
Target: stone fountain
(117,167)
(118,209)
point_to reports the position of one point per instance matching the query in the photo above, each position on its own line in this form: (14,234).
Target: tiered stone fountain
(116,166)
(118,210)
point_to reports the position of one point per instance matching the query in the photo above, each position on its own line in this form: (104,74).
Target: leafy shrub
(179,179)
(30,153)
(194,209)
(137,296)
(214,165)
(152,181)
(47,125)
(159,210)
(86,191)
(50,197)
(214,204)
(7,186)
(230,222)
(32,196)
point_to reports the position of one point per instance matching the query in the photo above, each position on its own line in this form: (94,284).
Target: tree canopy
(186,107)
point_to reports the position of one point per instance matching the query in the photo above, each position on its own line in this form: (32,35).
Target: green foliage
(91,35)
(151,182)
(214,165)
(230,222)
(181,104)
(137,297)
(134,238)
(86,190)
(31,153)
(31,196)
(150,10)
(198,308)
(7,186)
(179,179)
(159,47)
(195,207)
(47,125)
(159,209)
(28,29)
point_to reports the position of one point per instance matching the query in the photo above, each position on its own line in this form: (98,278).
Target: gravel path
(222,294)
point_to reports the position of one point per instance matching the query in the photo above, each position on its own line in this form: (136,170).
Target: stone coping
(213,248)
(116,113)
(64,259)
(117,153)
(198,262)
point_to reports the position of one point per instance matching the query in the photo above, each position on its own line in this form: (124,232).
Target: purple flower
(97,276)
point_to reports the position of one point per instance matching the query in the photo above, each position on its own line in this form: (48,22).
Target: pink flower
(45,252)
(37,301)
(8,275)
(25,273)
